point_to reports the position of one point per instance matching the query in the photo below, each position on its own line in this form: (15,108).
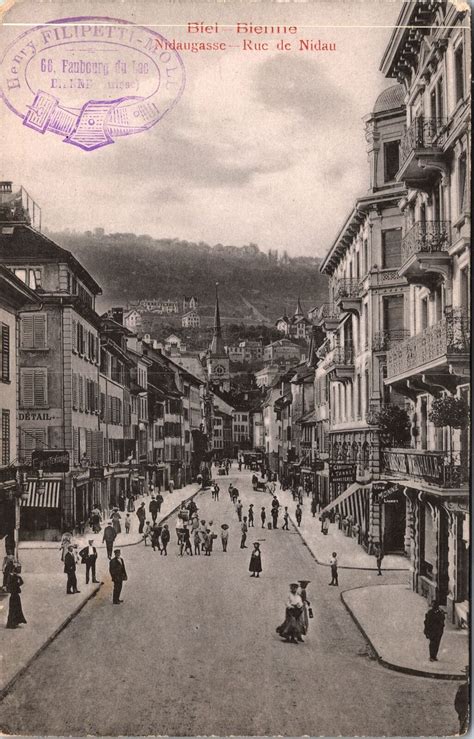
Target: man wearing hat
(153,508)
(109,538)
(118,573)
(70,570)
(88,556)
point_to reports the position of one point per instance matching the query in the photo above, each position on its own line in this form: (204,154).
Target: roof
(390,99)
(14,292)
(28,244)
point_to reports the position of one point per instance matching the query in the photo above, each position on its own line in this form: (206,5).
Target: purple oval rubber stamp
(91,79)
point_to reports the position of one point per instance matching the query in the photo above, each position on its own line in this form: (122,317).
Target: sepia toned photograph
(235,319)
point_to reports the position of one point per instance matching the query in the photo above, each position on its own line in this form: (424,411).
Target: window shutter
(102,407)
(89,444)
(39,331)
(75,446)
(81,392)
(5,352)
(27,340)
(74,391)
(32,439)
(391,249)
(26,387)
(40,387)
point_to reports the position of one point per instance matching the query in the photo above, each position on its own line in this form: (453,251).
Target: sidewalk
(350,554)
(45,604)
(396,633)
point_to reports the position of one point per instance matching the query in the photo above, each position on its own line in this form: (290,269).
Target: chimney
(5,191)
(117,315)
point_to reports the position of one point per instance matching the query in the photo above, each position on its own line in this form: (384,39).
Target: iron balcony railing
(426,237)
(347,288)
(434,467)
(451,336)
(384,340)
(327,311)
(340,356)
(423,133)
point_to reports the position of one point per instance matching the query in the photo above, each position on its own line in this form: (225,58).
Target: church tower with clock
(218,365)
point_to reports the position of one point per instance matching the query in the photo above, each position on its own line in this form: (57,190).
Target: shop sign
(32,416)
(342,472)
(51,460)
(97,473)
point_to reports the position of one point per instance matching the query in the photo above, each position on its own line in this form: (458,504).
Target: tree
(394,425)
(451,412)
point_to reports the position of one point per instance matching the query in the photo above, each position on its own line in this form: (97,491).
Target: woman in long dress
(255,566)
(292,628)
(116,517)
(15,611)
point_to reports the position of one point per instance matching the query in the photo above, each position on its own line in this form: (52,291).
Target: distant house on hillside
(245,351)
(282,349)
(190,303)
(191,319)
(296,326)
(132,319)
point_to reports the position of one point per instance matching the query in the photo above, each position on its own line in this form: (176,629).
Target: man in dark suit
(89,558)
(70,570)
(109,536)
(118,574)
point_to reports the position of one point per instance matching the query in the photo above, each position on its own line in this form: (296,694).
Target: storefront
(40,510)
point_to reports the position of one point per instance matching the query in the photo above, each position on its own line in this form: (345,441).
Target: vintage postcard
(235,368)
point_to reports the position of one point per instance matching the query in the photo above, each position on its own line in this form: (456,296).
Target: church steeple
(299,309)
(217,343)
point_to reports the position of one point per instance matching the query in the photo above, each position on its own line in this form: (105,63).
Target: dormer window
(31,276)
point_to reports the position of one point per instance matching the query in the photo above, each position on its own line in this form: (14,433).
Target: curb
(9,685)
(340,567)
(390,665)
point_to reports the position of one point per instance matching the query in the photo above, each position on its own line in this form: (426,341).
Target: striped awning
(352,502)
(47,499)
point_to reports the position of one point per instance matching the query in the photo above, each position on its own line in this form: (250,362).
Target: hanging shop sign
(342,472)
(51,460)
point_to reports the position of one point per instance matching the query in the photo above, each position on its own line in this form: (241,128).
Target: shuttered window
(33,387)
(31,439)
(33,331)
(81,392)
(75,446)
(5,457)
(391,248)
(393,317)
(89,434)
(75,393)
(4,352)
(74,336)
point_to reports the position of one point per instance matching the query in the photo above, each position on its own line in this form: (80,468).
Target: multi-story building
(191,319)
(132,319)
(282,349)
(296,326)
(59,374)
(15,298)
(429,54)
(365,317)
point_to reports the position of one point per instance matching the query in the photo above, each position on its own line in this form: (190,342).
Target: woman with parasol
(292,628)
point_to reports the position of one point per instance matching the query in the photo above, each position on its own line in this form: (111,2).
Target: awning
(48,499)
(351,502)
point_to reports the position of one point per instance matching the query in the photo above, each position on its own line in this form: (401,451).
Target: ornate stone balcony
(348,295)
(339,364)
(439,355)
(385,340)
(421,152)
(328,316)
(425,252)
(437,468)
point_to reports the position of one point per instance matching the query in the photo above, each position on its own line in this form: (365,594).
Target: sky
(263,146)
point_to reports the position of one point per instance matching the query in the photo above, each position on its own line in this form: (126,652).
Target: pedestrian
(238,508)
(333,564)
(130,503)
(197,543)
(165,539)
(89,558)
(433,630)
(122,500)
(109,538)
(292,627)
(378,554)
(159,501)
(153,508)
(8,569)
(298,514)
(66,540)
(141,515)
(243,529)
(147,531)
(314,506)
(255,566)
(250,515)
(96,519)
(461,704)
(116,518)
(325,525)
(155,536)
(235,495)
(15,610)
(128,523)
(170,486)
(274,514)
(70,570)
(263,516)
(286,519)
(118,573)
(224,536)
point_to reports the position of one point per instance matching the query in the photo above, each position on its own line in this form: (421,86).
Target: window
(33,387)
(424,313)
(463,191)
(31,439)
(33,331)
(391,160)
(5,458)
(4,352)
(391,248)
(31,276)
(459,72)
